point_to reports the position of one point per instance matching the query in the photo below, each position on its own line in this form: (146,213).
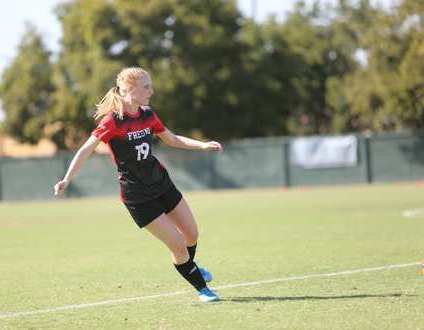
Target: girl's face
(141,92)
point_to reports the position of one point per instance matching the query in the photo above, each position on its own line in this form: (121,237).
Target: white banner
(324,152)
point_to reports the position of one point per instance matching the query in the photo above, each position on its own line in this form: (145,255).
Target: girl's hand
(60,187)
(212,145)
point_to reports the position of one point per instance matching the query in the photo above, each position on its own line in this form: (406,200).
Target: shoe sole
(209,300)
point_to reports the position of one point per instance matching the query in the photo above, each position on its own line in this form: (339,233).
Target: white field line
(413,213)
(222,287)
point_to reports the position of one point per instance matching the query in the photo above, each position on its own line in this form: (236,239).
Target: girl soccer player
(127,126)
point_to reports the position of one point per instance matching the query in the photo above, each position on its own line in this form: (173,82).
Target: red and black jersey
(141,176)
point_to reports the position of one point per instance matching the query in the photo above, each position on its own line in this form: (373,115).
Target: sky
(41,14)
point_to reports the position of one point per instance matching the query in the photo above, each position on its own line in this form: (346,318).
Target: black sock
(192,274)
(192,251)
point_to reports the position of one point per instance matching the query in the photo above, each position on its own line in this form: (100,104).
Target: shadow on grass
(356,296)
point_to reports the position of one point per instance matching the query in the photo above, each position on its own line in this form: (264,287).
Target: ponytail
(111,102)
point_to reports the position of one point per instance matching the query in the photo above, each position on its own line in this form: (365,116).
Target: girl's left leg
(165,230)
(182,217)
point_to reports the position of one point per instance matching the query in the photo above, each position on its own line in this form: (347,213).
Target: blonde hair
(113,100)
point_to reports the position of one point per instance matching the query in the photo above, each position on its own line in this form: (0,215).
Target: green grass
(69,252)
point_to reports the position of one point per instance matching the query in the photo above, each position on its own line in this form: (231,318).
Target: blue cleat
(207,295)
(207,276)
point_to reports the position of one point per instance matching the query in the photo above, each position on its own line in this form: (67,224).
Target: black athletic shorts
(144,213)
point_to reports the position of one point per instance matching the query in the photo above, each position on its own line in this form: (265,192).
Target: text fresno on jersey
(138,134)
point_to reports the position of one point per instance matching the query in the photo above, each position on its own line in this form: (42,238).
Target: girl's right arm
(82,154)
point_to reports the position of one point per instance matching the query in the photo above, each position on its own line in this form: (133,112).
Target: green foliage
(26,89)
(192,50)
(84,70)
(327,69)
(386,93)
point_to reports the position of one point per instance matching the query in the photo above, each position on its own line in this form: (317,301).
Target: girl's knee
(179,252)
(178,246)
(191,236)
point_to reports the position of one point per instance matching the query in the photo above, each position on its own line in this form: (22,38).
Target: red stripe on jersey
(108,128)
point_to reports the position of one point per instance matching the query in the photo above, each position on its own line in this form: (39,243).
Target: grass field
(73,254)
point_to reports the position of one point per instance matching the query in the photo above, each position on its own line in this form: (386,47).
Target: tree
(387,92)
(323,70)
(189,47)
(85,69)
(350,26)
(267,80)
(26,89)
(411,69)
(193,52)
(321,54)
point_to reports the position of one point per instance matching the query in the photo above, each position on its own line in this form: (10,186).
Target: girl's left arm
(183,142)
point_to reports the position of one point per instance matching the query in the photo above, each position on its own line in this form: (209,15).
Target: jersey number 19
(142,150)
